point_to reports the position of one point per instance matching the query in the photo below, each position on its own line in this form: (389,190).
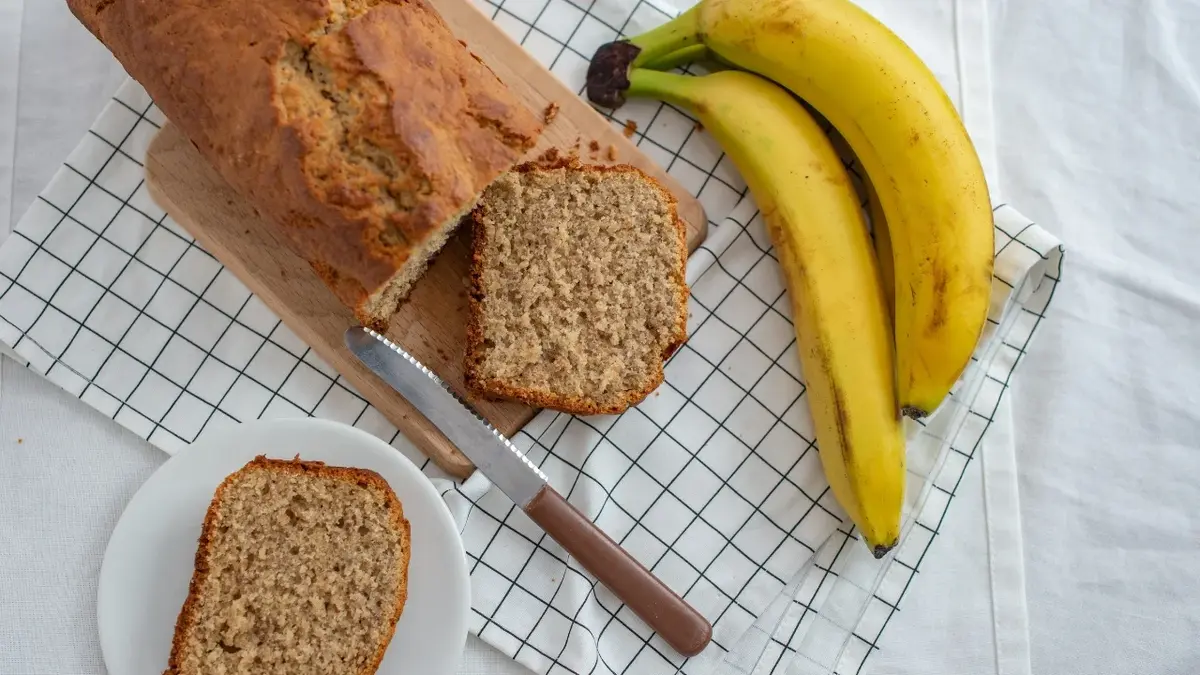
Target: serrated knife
(675,621)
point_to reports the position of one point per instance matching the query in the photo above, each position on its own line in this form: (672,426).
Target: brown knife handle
(675,621)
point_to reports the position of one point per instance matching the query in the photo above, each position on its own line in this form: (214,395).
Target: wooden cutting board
(432,324)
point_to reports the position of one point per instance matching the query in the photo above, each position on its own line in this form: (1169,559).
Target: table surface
(1095,119)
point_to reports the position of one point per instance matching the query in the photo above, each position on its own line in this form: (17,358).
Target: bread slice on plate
(578,287)
(301,568)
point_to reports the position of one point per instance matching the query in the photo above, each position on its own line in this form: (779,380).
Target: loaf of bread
(363,127)
(578,287)
(301,568)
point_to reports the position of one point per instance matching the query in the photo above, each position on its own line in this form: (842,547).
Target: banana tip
(880,550)
(914,412)
(608,73)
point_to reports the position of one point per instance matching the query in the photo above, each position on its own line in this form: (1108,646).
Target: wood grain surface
(432,324)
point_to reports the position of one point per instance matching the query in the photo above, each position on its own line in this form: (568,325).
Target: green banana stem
(679,57)
(681,32)
(681,90)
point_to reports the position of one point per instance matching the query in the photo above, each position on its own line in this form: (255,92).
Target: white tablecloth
(1096,116)
(1097,113)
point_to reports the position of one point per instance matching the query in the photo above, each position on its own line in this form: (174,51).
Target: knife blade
(676,622)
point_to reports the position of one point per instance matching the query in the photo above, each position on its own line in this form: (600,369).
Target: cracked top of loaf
(364,127)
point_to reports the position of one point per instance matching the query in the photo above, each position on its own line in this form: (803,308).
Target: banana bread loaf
(363,127)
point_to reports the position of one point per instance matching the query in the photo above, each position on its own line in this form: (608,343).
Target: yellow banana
(907,135)
(813,216)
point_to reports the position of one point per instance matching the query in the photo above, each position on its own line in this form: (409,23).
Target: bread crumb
(550,112)
(630,128)
(601,347)
(321,538)
(594,146)
(550,156)
(20,441)
(612,153)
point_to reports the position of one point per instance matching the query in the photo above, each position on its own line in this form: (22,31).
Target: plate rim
(232,432)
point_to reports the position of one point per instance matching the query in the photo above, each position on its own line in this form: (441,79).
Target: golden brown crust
(362,127)
(363,477)
(576,405)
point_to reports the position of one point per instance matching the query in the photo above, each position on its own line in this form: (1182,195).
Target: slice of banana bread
(578,287)
(301,568)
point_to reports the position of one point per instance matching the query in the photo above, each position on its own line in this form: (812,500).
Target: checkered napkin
(713,482)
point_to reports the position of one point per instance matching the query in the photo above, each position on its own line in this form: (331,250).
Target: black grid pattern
(713,482)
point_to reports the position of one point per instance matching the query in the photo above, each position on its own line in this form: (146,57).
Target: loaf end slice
(301,567)
(579,290)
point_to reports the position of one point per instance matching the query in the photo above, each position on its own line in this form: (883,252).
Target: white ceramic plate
(149,560)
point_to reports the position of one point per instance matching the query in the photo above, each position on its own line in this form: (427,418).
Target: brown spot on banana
(770,216)
(843,422)
(840,414)
(821,171)
(786,15)
(941,280)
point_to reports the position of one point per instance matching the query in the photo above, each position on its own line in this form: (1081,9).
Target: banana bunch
(906,133)
(873,348)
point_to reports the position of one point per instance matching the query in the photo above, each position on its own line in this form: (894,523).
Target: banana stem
(679,57)
(607,76)
(681,32)
(681,90)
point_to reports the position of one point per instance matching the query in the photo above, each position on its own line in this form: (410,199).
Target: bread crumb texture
(302,568)
(579,287)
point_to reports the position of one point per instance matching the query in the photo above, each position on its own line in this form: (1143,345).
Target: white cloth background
(1095,122)
(1096,108)
(1099,114)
